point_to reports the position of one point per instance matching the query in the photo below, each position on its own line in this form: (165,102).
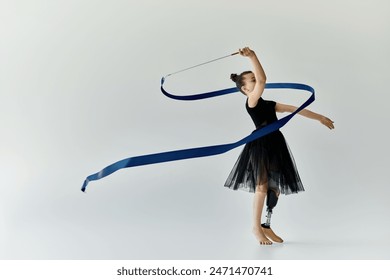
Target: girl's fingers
(244,51)
(328,123)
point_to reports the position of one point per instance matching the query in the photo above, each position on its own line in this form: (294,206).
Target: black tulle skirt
(266,160)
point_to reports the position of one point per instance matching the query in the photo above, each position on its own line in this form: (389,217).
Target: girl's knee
(262,188)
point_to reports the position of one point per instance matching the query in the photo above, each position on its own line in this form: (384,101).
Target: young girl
(265,166)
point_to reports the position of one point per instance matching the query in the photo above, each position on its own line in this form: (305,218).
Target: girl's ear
(243,89)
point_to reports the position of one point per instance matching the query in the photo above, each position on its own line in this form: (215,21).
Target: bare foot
(271,235)
(260,236)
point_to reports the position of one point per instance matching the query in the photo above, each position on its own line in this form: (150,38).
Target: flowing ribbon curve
(207,150)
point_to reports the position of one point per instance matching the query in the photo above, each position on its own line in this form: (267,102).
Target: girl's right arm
(260,76)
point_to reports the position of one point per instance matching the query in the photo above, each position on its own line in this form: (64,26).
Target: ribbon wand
(201,64)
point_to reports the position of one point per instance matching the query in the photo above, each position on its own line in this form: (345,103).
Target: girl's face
(249,83)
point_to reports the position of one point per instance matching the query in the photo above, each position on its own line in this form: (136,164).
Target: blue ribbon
(208,150)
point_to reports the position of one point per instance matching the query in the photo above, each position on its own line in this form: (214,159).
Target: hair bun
(233,77)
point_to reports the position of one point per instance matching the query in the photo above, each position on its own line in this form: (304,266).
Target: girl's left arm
(282,108)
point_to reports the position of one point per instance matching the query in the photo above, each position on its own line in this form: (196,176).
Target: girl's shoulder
(259,102)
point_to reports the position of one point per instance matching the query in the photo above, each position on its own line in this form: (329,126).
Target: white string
(201,64)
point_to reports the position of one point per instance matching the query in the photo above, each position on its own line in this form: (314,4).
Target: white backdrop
(79,89)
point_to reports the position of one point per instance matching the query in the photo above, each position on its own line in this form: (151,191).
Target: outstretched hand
(246,52)
(327,122)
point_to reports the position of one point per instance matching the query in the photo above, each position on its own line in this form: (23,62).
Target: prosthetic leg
(272,200)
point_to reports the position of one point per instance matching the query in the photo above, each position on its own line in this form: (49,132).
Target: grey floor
(210,223)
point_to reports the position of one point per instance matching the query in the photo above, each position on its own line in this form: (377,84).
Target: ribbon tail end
(84,186)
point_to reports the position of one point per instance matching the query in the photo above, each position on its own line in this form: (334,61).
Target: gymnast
(265,166)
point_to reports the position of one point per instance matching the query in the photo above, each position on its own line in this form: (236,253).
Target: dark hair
(238,79)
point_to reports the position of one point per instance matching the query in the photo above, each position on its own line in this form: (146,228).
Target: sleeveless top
(263,113)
